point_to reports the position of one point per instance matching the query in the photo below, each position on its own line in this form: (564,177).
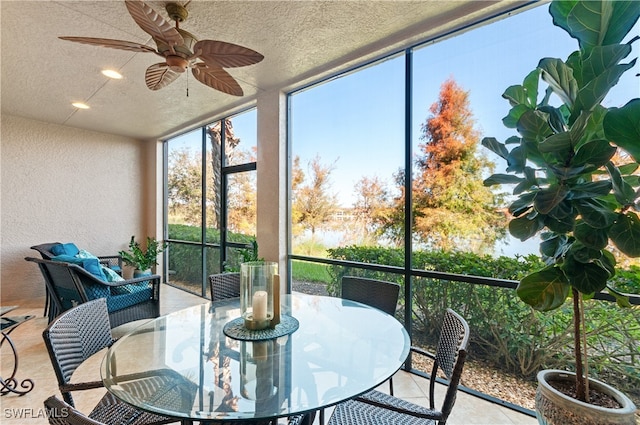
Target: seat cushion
(127,295)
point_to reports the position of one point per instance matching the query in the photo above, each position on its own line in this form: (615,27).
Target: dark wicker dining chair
(224,285)
(76,335)
(376,293)
(61,413)
(380,294)
(377,408)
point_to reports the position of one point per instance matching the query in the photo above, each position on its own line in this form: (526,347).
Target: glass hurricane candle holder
(259,294)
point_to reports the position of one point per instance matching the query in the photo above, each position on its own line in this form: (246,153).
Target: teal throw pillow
(65,249)
(111,275)
(92,265)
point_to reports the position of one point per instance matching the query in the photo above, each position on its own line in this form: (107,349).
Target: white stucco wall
(69,185)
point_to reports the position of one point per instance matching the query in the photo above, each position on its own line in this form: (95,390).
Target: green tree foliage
(313,203)
(371,207)
(451,207)
(185,186)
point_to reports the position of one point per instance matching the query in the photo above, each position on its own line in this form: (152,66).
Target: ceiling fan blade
(217,78)
(159,75)
(153,23)
(225,55)
(114,44)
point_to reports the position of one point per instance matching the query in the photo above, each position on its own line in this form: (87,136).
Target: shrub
(505,331)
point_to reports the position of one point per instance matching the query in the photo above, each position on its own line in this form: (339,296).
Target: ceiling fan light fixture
(80,105)
(180,50)
(112,74)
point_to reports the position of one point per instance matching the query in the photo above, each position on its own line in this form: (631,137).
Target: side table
(8,325)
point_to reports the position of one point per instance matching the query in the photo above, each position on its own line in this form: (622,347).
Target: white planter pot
(555,408)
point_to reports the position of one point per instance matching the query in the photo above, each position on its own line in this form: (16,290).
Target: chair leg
(321,417)
(391,386)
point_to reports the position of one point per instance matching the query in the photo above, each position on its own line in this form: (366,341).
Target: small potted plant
(574,168)
(142,260)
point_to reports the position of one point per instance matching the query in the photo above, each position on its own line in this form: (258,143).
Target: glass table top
(183,365)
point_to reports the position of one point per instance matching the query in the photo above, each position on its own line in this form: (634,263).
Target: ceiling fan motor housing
(178,61)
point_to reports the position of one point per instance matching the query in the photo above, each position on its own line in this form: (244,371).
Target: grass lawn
(310,272)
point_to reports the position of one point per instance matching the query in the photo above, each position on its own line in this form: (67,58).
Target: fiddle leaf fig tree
(568,187)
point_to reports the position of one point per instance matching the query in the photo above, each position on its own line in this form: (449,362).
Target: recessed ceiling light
(80,105)
(112,74)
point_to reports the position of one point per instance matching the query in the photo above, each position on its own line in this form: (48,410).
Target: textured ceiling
(301,41)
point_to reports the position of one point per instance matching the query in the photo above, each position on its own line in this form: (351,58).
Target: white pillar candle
(259,306)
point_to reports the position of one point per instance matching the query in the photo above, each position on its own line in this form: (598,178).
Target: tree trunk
(581,392)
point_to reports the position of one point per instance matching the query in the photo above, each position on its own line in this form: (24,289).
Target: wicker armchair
(82,331)
(376,408)
(69,285)
(114,262)
(224,285)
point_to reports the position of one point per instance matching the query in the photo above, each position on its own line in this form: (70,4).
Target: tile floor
(34,363)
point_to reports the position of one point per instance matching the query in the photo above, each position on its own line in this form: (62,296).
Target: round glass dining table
(183,365)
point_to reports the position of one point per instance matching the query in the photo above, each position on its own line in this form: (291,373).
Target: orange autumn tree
(452,209)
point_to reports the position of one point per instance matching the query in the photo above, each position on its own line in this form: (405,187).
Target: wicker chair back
(376,293)
(224,285)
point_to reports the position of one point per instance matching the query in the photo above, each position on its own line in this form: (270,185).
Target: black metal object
(12,384)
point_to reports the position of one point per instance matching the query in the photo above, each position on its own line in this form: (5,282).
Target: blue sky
(359,117)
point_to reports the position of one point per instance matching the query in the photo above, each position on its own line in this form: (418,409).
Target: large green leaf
(517,160)
(562,224)
(522,204)
(556,118)
(625,234)
(533,126)
(590,190)
(595,91)
(595,23)
(496,147)
(524,228)
(601,58)
(560,142)
(516,95)
(511,120)
(623,191)
(547,199)
(554,245)
(529,181)
(590,236)
(596,213)
(502,179)
(622,127)
(544,290)
(587,278)
(560,78)
(596,153)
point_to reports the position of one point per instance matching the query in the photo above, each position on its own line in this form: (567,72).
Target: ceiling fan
(181,50)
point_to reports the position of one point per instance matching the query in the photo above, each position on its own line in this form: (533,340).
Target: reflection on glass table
(341,349)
